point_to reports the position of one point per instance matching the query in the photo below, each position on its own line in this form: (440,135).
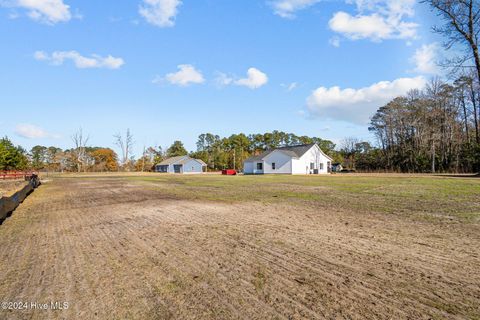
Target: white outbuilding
(181,164)
(300,159)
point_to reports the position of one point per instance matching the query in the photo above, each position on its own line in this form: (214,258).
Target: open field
(247,247)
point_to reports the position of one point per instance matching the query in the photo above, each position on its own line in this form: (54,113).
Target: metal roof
(186,160)
(179,160)
(172,160)
(201,162)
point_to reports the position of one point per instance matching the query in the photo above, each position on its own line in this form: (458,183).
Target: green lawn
(424,197)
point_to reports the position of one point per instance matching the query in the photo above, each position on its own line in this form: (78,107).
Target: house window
(312,165)
(321,166)
(259,166)
(273,166)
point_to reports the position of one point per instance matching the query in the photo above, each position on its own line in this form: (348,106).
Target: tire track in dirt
(288,267)
(270,261)
(216,288)
(376,288)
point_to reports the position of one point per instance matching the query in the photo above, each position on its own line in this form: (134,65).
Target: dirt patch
(9,187)
(115,250)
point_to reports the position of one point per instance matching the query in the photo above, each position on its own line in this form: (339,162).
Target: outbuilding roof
(187,159)
(179,160)
(172,160)
(201,162)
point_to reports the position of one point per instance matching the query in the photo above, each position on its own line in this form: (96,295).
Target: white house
(301,159)
(181,164)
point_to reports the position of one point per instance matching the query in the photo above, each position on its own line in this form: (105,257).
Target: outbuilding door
(162,168)
(177,168)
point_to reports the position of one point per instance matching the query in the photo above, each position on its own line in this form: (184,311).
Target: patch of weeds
(259,280)
(444,306)
(172,286)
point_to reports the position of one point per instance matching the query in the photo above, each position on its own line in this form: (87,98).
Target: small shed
(181,164)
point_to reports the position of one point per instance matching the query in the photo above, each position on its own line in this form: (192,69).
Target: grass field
(147,246)
(424,196)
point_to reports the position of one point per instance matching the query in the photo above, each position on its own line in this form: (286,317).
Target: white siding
(283,163)
(315,156)
(192,166)
(286,164)
(299,167)
(257,171)
(248,167)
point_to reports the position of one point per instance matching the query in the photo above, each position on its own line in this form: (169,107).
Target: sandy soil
(114,250)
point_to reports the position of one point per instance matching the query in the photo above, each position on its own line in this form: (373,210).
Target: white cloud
(223,79)
(377,20)
(186,75)
(255,79)
(359,27)
(287,8)
(46,11)
(160,13)
(425,59)
(335,41)
(94,61)
(31,131)
(40,55)
(290,87)
(358,105)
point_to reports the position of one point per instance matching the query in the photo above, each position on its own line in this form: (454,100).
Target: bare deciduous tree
(79,152)
(462,26)
(348,147)
(429,130)
(125,144)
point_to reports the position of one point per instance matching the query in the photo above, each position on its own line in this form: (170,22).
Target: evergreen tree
(12,157)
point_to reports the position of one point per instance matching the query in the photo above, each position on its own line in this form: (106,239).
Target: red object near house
(229,172)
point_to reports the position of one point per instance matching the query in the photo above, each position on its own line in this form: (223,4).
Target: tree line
(406,145)
(218,152)
(432,130)
(55,159)
(437,128)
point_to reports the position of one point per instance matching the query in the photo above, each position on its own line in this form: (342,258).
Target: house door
(177,168)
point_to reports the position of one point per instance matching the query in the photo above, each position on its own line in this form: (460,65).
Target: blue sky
(170,69)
